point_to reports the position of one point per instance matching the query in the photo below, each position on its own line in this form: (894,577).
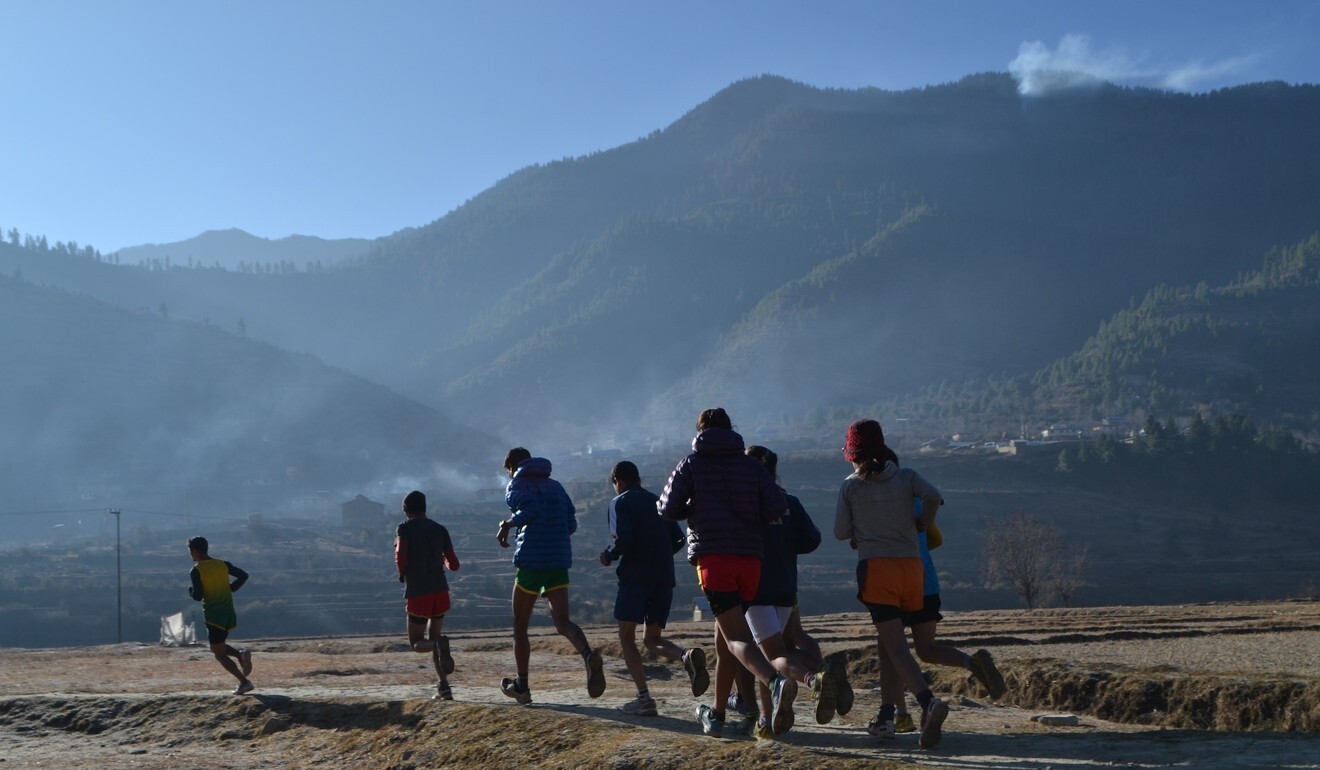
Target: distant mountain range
(234,249)
(800,256)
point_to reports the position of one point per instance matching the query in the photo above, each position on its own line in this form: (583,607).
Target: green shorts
(540,581)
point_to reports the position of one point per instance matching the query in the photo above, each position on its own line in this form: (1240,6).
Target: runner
(422,552)
(545,519)
(211,587)
(644,545)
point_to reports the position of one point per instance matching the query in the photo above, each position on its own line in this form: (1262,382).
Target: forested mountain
(1247,349)
(100,403)
(783,249)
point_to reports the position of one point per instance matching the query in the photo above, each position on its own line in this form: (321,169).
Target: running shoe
(640,707)
(446,660)
(932,719)
(983,668)
(884,730)
(823,692)
(595,674)
(694,662)
(843,692)
(782,692)
(442,692)
(710,724)
(244,687)
(741,716)
(245,661)
(762,731)
(788,723)
(903,723)
(510,688)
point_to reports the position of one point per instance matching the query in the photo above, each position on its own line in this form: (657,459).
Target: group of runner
(744,534)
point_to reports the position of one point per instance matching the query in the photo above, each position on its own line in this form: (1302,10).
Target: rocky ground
(1223,685)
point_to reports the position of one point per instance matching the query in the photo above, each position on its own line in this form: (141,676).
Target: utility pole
(119,590)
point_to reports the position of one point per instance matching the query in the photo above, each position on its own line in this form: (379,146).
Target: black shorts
(216,635)
(929,612)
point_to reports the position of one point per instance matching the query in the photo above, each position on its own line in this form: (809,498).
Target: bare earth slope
(1232,686)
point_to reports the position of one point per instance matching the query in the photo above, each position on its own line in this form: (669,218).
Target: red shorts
(428,605)
(728,579)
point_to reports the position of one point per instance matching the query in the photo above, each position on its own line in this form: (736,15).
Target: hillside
(780,247)
(1244,348)
(1225,686)
(109,407)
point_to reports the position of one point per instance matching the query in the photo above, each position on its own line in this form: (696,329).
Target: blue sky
(128,122)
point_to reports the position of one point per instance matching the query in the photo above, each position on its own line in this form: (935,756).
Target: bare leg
(891,686)
(437,625)
(923,639)
(417,636)
(523,604)
(228,658)
(747,687)
(660,646)
(632,657)
(558,599)
(725,670)
(893,643)
(784,662)
(732,625)
(807,648)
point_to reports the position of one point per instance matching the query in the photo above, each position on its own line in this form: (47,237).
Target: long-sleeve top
(876,513)
(795,533)
(643,543)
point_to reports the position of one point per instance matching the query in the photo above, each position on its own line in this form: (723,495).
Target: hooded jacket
(544,516)
(726,497)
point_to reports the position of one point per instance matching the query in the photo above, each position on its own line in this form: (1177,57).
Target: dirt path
(365,702)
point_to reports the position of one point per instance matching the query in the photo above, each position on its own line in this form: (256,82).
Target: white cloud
(1039,69)
(1193,76)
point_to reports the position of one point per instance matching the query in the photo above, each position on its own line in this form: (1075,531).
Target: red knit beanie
(866,441)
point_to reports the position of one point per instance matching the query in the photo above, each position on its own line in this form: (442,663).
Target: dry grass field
(1220,685)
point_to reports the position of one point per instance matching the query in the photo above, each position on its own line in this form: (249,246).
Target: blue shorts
(644,605)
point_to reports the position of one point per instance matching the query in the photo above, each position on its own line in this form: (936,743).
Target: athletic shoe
(640,707)
(823,692)
(442,692)
(245,661)
(595,674)
(932,718)
(710,724)
(741,716)
(762,731)
(903,723)
(446,660)
(694,662)
(782,692)
(883,730)
(983,668)
(244,687)
(788,723)
(510,688)
(843,691)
